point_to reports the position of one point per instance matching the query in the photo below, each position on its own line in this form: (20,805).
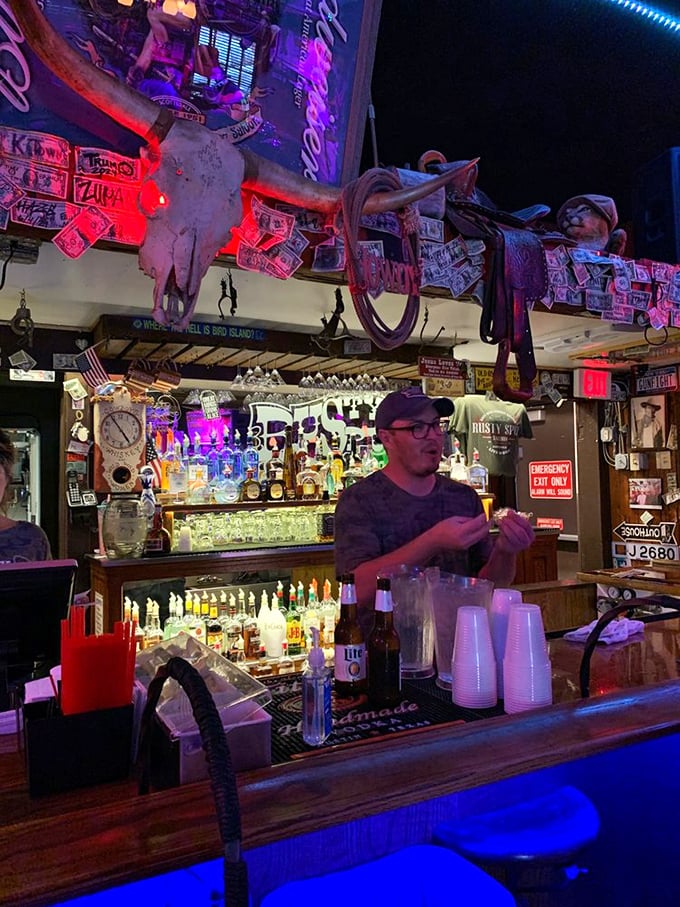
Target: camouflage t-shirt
(374,517)
(24,542)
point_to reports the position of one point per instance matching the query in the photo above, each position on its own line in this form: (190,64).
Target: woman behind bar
(19,540)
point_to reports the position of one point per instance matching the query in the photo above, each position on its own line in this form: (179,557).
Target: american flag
(90,367)
(153,460)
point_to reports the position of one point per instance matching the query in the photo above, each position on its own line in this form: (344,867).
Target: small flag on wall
(153,460)
(90,367)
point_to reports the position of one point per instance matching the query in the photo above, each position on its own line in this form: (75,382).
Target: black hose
(220,769)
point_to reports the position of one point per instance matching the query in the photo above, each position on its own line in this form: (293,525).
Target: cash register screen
(34,598)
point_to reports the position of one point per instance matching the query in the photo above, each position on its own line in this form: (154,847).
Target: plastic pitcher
(447,592)
(414,622)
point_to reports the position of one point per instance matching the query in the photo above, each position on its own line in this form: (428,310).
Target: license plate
(642,551)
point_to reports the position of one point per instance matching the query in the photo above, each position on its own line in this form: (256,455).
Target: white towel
(616,631)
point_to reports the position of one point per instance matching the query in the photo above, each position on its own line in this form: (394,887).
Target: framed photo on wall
(644,494)
(648,422)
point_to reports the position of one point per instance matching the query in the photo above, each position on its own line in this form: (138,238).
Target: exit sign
(593,384)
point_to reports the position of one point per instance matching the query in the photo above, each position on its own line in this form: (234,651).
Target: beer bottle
(350,647)
(384,650)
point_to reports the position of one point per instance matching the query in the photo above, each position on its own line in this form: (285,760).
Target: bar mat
(423,705)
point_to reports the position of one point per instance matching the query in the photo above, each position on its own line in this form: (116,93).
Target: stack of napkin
(616,631)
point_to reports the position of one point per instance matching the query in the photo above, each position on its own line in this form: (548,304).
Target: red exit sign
(593,384)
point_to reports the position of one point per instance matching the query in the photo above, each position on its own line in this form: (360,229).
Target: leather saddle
(516,275)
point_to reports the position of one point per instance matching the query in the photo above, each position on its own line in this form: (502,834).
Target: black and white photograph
(648,422)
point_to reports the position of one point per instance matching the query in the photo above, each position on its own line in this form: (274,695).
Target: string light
(658,17)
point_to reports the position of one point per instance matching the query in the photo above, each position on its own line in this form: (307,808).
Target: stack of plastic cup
(498,621)
(473,666)
(527,672)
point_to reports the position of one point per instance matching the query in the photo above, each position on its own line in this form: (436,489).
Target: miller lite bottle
(350,646)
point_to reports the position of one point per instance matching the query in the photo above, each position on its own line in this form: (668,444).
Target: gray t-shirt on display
(24,542)
(374,517)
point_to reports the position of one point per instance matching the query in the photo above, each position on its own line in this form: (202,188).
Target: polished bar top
(84,841)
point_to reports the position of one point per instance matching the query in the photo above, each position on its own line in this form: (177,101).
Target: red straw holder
(97,672)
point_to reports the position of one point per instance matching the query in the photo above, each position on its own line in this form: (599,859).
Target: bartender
(409,514)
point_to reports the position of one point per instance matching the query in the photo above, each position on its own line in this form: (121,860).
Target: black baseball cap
(409,403)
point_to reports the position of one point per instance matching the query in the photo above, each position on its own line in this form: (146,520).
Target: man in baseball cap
(409,403)
(409,514)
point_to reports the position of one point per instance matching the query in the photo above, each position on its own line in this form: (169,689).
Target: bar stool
(544,834)
(423,874)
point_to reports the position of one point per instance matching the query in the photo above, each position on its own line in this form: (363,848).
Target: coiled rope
(353,199)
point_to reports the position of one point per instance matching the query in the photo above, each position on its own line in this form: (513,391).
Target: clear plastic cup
(448,592)
(473,667)
(527,672)
(501,602)
(525,642)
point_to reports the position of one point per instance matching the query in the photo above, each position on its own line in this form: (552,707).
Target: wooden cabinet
(108,577)
(538,564)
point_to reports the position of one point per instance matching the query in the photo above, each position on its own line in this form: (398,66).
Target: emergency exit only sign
(551,479)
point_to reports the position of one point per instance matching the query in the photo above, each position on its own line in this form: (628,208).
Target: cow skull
(191,191)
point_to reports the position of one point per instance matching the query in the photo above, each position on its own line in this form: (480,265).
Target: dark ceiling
(558,98)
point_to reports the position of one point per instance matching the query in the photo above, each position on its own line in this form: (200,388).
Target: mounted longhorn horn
(191,193)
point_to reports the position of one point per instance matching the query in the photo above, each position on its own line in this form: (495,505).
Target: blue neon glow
(658,17)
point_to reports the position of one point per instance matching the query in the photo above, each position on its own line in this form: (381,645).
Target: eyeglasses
(420,430)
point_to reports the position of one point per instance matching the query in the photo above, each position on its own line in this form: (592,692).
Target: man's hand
(515,533)
(458,533)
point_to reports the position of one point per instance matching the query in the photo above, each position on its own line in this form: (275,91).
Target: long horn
(276,182)
(129,108)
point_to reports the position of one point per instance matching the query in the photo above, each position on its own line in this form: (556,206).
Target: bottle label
(308,488)
(350,662)
(252,491)
(154,545)
(276,491)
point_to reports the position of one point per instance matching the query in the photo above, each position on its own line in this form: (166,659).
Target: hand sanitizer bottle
(317,719)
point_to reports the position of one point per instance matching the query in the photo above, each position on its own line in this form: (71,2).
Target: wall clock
(119,441)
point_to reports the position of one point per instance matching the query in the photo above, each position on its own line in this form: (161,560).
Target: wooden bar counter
(86,841)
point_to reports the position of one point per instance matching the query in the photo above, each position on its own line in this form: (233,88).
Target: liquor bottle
(171,627)
(214,632)
(251,489)
(251,631)
(264,483)
(251,455)
(285,663)
(328,615)
(379,453)
(232,633)
(197,489)
(307,482)
(310,618)
(276,487)
(147,497)
(350,647)
(477,474)
(289,466)
(457,467)
(337,464)
(157,542)
(176,474)
(238,463)
(263,613)
(274,630)
(205,616)
(384,650)
(137,631)
(293,625)
(317,718)
(213,459)
(241,614)
(152,628)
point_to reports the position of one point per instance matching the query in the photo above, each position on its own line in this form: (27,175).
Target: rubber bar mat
(356,722)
